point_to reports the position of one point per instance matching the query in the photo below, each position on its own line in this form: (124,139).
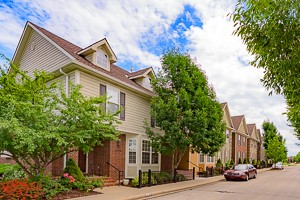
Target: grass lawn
(5,167)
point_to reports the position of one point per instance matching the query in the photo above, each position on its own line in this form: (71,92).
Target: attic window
(102,58)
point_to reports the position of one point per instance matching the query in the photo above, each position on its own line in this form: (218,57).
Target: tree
(270,29)
(39,123)
(297,157)
(276,150)
(270,132)
(185,109)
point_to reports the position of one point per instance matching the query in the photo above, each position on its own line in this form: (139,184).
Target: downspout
(67,95)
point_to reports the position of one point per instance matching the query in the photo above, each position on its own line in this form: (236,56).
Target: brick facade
(7,160)
(241,147)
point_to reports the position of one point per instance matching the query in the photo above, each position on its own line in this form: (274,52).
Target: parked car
(278,165)
(241,172)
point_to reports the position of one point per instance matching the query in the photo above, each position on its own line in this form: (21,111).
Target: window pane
(146,146)
(132,157)
(201,157)
(145,158)
(113,95)
(102,58)
(112,107)
(154,158)
(132,145)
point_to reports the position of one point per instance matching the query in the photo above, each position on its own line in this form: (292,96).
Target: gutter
(67,95)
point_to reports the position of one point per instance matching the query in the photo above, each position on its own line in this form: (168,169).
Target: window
(132,150)
(239,139)
(227,136)
(201,157)
(149,155)
(243,155)
(145,152)
(210,158)
(102,58)
(239,154)
(115,100)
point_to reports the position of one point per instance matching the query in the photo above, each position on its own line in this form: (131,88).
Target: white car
(278,165)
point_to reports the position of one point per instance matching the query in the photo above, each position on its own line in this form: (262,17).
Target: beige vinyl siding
(44,57)
(137,108)
(242,128)
(139,81)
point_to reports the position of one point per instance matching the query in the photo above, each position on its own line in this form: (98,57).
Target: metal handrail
(193,164)
(119,171)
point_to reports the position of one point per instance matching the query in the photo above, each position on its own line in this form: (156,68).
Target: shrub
(135,182)
(51,187)
(219,163)
(20,189)
(5,167)
(245,161)
(163,177)
(231,163)
(16,172)
(240,161)
(180,177)
(253,162)
(73,170)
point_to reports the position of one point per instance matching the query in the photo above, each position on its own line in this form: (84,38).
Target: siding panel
(39,54)
(137,107)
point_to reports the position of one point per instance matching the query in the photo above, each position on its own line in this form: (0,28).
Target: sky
(140,31)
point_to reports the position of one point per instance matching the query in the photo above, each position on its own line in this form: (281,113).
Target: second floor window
(239,139)
(149,155)
(201,157)
(115,100)
(210,159)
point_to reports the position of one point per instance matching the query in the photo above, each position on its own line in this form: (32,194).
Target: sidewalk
(130,193)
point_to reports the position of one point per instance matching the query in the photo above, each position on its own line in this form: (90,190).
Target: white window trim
(150,161)
(132,151)
(109,87)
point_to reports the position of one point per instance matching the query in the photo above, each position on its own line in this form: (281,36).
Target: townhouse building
(94,68)
(239,138)
(252,143)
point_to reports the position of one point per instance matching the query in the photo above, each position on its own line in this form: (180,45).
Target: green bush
(135,182)
(231,163)
(73,170)
(253,162)
(219,163)
(180,177)
(51,187)
(16,172)
(162,177)
(245,161)
(5,167)
(240,161)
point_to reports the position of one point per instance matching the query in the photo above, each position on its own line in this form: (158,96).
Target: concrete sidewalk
(130,193)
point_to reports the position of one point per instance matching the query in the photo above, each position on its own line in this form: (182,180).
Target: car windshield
(241,167)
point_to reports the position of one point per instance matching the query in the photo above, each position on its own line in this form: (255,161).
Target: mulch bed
(74,194)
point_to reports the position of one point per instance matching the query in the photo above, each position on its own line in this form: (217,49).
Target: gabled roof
(139,73)
(225,108)
(250,128)
(237,120)
(71,50)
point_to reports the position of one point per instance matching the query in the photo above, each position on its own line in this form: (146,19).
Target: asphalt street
(271,185)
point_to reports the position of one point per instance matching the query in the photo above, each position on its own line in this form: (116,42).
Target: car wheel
(247,177)
(254,175)
(227,179)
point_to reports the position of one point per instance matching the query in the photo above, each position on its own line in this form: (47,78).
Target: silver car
(278,165)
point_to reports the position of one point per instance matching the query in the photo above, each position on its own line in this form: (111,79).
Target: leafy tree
(185,109)
(39,123)
(270,132)
(270,29)
(276,150)
(297,157)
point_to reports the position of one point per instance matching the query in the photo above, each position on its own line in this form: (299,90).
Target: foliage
(231,163)
(271,132)
(135,182)
(180,177)
(253,162)
(270,29)
(228,165)
(156,178)
(5,167)
(20,189)
(51,187)
(297,157)
(263,163)
(276,150)
(219,163)
(258,163)
(73,169)
(39,123)
(16,172)
(70,182)
(240,161)
(162,177)
(185,109)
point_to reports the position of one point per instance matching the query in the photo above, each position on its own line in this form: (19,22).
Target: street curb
(171,191)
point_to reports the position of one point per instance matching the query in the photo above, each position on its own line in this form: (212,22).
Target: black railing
(121,173)
(193,169)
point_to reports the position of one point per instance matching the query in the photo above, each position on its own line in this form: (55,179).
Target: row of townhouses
(93,67)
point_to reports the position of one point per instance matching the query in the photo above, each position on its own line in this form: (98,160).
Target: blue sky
(139,31)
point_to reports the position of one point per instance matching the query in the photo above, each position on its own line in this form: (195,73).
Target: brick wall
(166,162)
(57,167)
(7,160)
(241,148)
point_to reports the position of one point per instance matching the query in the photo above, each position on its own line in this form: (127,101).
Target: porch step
(108,181)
